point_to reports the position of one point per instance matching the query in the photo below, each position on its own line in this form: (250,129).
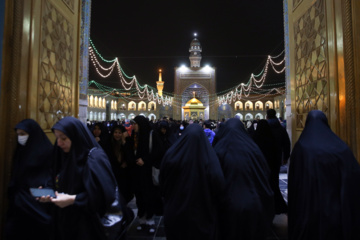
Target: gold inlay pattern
(311,66)
(70,4)
(296,3)
(56,67)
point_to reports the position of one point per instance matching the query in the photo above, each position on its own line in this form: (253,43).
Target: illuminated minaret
(195,53)
(160,84)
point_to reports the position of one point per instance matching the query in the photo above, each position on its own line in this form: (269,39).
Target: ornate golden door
(322,40)
(40,72)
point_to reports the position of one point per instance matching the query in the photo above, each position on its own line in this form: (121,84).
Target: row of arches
(99,102)
(250,106)
(123,116)
(96,116)
(258,105)
(140,106)
(250,116)
(101,116)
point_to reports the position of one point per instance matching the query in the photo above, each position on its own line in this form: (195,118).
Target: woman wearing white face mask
(182,127)
(31,169)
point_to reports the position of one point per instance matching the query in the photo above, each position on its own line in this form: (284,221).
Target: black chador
(192,184)
(89,178)
(248,207)
(31,168)
(323,185)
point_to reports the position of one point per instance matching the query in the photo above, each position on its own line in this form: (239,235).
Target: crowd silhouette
(218,179)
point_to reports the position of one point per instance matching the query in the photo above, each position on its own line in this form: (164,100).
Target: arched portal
(249,116)
(201,93)
(240,116)
(122,116)
(259,116)
(152,117)
(131,116)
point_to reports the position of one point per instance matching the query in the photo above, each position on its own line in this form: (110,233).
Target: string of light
(241,91)
(143,91)
(246,89)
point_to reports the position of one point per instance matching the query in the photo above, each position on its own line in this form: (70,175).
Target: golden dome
(194,102)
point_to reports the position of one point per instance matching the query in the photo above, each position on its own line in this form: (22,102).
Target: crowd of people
(218,179)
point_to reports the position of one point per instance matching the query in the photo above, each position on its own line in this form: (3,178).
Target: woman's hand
(43,198)
(63,200)
(139,162)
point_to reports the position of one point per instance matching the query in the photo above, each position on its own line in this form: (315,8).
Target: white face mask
(181,128)
(23,139)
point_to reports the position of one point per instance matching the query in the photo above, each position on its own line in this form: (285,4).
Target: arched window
(100,103)
(91,102)
(96,101)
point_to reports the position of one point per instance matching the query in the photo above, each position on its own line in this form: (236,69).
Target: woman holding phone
(85,186)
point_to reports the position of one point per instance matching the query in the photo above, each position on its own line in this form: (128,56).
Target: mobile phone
(39,192)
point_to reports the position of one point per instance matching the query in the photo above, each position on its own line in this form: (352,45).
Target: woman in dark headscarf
(162,139)
(324,183)
(180,129)
(31,169)
(192,186)
(87,184)
(118,154)
(249,203)
(266,141)
(142,170)
(101,134)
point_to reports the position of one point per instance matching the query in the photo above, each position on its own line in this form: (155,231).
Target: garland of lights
(141,90)
(107,91)
(242,91)
(151,95)
(246,89)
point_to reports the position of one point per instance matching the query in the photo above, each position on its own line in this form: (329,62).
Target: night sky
(236,37)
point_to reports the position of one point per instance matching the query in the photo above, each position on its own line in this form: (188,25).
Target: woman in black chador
(118,154)
(141,177)
(192,186)
(323,185)
(101,135)
(86,185)
(248,208)
(31,169)
(266,141)
(162,139)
